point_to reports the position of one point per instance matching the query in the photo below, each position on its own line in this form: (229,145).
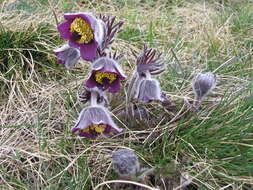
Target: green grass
(39,105)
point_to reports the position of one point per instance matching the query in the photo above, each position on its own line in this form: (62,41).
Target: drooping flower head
(67,56)
(147,63)
(106,73)
(84,31)
(93,121)
(149,90)
(203,83)
(125,163)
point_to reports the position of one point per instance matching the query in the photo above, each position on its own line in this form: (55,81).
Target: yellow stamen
(84,29)
(99,76)
(86,130)
(97,128)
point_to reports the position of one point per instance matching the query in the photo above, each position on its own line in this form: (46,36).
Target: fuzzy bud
(203,84)
(68,56)
(125,163)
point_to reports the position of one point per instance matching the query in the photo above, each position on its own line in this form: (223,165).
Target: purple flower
(93,121)
(84,31)
(149,90)
(67,56)
(105,74)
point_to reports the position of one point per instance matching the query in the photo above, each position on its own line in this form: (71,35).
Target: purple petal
(98,64)
(74,130)
(115,86)
(88,51)
(95,115)
(107,129)
(64,30)
(119,70)
(67,55)
(149,90)
(73,44)
(71,17)
(87,135)
(91,83)
(108,65)
(99,29)
(60,62)
(96,24)
(116,130)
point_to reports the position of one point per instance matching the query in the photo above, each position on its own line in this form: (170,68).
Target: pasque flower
(93,121)
(147,63)
(106,73)
(84,31)
(67,55)
(125,163)
(149,90)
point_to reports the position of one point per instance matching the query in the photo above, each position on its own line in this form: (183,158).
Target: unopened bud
(125,163)
(203,84)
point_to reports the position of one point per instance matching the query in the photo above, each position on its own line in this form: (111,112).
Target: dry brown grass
(36,147)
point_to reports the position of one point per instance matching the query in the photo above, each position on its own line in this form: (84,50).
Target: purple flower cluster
(145,88)
(89,38)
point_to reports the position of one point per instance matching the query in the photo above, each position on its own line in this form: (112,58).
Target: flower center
(103,78)
(81,31)
(96,128)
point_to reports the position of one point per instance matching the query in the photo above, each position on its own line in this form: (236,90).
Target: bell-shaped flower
(149,90)
(125,163)
(67,56)
(93,121)
(148,63)
(106,73)
(84,31)
(203,83)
